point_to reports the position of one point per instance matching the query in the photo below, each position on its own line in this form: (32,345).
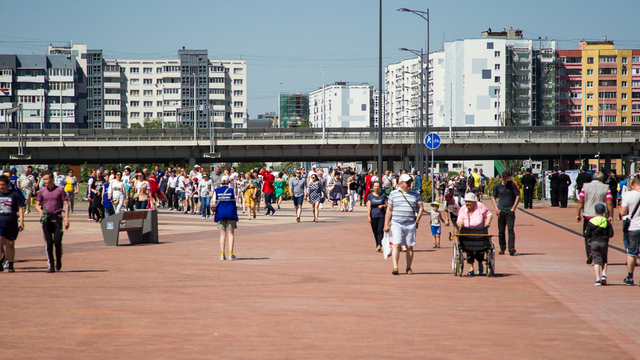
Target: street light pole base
(20,156)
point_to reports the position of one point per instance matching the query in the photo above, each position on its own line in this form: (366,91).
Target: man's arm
(387,218)
(580,207)
(420,212)
(66,214)
(610,208)
(495,205)
(21,216)
(515,203)
(39,207)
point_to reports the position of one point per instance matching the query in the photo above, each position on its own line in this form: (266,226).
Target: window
(238,71)
(158,81)
(237,104)
(135,114)
(624,84)
(607,95)
(608,59)
(111,102)
(216,80)
(217,69)
(148,93)
(158,92)
(497,79)
(134,103)
(624,61)
(589,119)
(635,119)
(158,103)
(624,119)
(607,106)
(171,91)
(589,96)
(607,71)
(134,81)
(496,54)
(112,113)
(575,95)
(624,72)
(134,70)
(589,60)
(237,115)
(496,91)
(623,108)
(635,83)
(497,67)
(590,72)
(635,59)
(236,92)
(635,71)
(148,115)
(237,82)
(589,107)
(607,83)
(607,119)
(635,95)
(147,70)
(489,46)
(589,84)
(148,81)
(623,96)
(363,107)
(575,107)
(635,107)
(158,70)
(148,103)
(486,74)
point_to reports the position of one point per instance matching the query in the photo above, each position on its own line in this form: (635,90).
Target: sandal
(395,271)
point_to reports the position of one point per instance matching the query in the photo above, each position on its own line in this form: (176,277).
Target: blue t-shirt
(226,204)
(106,202)
(375,201)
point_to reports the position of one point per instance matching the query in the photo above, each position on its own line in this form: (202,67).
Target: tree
(245,167)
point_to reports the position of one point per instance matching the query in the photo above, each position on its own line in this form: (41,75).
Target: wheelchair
(476,240)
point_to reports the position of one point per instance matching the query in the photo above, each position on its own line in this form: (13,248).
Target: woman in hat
(474,215)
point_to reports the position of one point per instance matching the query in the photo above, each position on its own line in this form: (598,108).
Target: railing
(550,132)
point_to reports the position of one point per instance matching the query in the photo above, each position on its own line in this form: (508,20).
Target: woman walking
(142,192)
(205,187)
(279,184)
(376,208)
(335,190)
(116,192)
(250,195)
(314,194)
(226,216)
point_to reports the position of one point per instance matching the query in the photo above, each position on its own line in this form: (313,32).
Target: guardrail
(315,133)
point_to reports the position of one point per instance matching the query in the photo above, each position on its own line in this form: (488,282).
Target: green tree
(248,166)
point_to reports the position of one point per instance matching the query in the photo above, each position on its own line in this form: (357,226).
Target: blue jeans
(267,202)
(204,205)
(142,205)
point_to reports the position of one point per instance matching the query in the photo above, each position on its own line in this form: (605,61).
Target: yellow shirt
(476,180)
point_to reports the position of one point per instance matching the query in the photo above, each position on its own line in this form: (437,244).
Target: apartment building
(45,86)
(599,84)
(345,106)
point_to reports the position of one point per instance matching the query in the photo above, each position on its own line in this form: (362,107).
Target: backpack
(471,181)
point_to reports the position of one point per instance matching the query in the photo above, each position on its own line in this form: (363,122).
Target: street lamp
(380,115)
(419,157)
(195,108)
(324,104)
(424,15)
(279,109)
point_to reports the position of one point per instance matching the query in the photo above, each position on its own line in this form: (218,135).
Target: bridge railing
(408,133)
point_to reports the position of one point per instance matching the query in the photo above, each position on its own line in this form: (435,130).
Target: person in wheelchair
(474,215)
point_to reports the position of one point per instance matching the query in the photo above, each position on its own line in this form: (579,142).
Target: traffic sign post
(432,141)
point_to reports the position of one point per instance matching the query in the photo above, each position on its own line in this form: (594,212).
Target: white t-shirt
(457,203)
(629,200)
(116,188)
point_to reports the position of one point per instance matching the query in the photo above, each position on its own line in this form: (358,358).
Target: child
(599,231)
(345,204)
(435,215)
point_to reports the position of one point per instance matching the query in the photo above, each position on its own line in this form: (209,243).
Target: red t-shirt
(153,185)
(268,182)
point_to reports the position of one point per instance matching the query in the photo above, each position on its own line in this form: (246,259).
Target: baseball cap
(600,208)
(405,177)
(470,197)
(196,166)
(224,179)
(435,203)
(448,197)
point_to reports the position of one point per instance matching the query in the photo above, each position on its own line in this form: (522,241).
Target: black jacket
(563,182)
(528,182)
(599,229)
(553,180)
(582,179)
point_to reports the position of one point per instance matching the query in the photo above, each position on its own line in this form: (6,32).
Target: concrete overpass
(300,144)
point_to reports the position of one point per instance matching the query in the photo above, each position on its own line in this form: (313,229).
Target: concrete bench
(141,227)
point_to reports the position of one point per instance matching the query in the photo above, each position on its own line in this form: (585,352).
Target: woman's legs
(316,211)
(377,226)
(354,198)
(206,209)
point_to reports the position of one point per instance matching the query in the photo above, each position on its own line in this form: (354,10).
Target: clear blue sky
(291,41)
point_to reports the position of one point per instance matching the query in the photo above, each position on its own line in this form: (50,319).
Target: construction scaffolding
(294,110)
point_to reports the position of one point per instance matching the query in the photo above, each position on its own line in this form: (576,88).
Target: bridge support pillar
(192,162)
(626,165)
(389,164)
(365,166)
(607,162)
(181,163)
(406,163)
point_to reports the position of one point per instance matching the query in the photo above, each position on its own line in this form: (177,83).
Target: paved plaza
(313,291)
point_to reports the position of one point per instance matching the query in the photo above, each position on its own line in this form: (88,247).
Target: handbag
(627,222)
(115,201)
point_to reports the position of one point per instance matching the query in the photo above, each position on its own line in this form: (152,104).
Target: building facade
(598,84)
(294,110)
(45,87)
(345,106)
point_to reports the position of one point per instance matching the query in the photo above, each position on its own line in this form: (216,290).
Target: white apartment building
(346,106)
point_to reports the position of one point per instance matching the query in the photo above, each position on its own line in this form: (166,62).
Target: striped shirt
(402,211)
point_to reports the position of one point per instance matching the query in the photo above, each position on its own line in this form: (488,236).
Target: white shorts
(403,233)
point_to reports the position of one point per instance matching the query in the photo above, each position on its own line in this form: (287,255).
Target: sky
(292,41)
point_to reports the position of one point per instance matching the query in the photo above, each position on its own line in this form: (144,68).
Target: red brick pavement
(306,290)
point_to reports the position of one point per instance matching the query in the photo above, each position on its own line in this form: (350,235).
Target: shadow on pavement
(264,258)
(529,254)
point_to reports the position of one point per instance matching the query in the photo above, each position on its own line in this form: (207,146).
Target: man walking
(509,195)
(461,184)
(593,193)
(582,179)
(27,183)
(52,198)
(528,184)
(563,188)
(297,191)
(268,189)
(10,208)
(629,206)
(404,211)
(553,184)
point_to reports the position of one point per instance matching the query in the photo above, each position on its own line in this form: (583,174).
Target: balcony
(112,74)
(31,79)
(56,93)
(24,92)
(113,85)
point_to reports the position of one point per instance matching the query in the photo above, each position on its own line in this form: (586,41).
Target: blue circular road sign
(432,141)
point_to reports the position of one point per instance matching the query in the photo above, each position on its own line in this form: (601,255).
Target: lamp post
(61,111)
(424,15)
(195,108)
(324,105)
(380,115)
(419,157)
(279,115)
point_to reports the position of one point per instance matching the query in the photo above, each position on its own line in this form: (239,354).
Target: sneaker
(233,257)
(603,280)
(404,248)
(628,281)
(409,272)
(480,271)
(11,269)
(501,252)
(223,258)
(318,206)
(51,270)
(598,283)
(379,248)
(512,252)
(58,265)
(395,271)
(470,273)
(590,259)
(297,219)
(273,213)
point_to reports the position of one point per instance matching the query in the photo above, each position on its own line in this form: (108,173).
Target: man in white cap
(404,211)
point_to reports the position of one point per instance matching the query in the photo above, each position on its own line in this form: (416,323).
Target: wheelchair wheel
(491,262)
(454,259)
(460,265)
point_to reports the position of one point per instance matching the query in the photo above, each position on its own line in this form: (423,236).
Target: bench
(141,227)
